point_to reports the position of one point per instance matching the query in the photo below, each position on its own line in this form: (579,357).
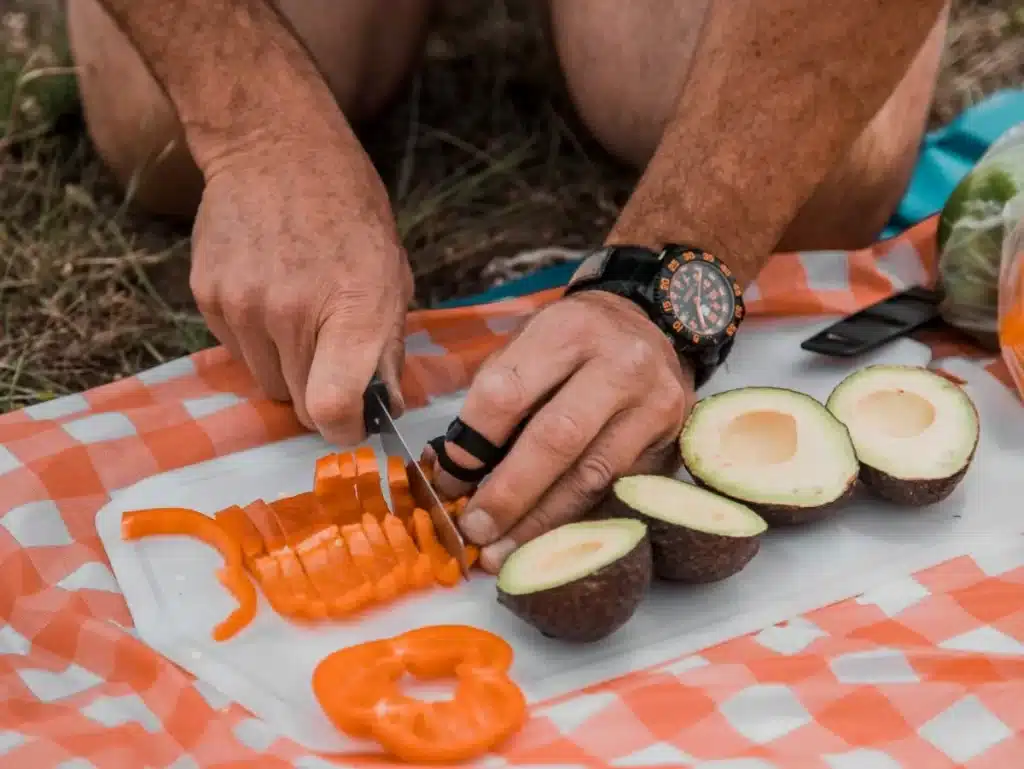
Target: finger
(390,367)
(344,360)
(534,364)
(260,355)
(295,363)
(220,329)
(623,446)
(552,442)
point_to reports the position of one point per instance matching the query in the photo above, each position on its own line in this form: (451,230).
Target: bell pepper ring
(358,689)
(180,521)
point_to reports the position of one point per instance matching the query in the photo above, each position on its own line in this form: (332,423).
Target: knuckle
(668,403)
(637,356)
(560,435)
(502,390)
(333,408)
(280,307)
(593,475)
(500,499)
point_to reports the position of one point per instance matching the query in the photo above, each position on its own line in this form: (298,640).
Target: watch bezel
(672,258)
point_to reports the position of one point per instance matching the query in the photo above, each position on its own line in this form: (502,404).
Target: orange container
(1011,303)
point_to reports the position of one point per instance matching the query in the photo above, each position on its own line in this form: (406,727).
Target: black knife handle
(371,408)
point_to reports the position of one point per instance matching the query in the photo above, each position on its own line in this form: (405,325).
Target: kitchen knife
(379,421)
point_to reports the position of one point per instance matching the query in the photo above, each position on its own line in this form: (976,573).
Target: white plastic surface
(175,600)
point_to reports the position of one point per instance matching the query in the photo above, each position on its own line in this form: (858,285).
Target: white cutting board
(175,600)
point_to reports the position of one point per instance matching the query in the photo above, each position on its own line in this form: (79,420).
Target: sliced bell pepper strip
(177,521)
(367,475)
(236,523)
(376,507)
(417,564)
(402,503)
(334,486)
(446,569)
(354,590)
(314,555)
(358,689)
(265,521)
(397,574)
(298,516)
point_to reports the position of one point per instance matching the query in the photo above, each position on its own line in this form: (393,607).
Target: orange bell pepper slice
(367,475)
(298,516)
(265,522)
(358,689)
(236,523)
(417,565)
(396,579)
(446,569)
(334,486)
(179,521)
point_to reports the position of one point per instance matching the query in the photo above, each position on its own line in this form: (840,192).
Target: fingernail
(478,526)
(493,556)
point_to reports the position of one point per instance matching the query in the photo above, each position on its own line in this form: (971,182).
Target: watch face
(700,297)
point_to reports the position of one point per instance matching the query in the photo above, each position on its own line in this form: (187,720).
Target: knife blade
(378,419)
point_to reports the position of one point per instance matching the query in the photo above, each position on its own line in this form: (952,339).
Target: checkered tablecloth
(926,673)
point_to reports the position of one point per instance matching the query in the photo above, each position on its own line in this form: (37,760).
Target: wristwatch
(689,294)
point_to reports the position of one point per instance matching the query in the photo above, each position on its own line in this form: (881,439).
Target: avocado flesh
(914,431)
(696,535)
(580,582)
(778,451)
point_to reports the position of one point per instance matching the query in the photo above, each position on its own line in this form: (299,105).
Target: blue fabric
(947,154)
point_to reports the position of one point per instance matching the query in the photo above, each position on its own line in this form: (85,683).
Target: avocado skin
(681,554)
(787,515)
(592,607)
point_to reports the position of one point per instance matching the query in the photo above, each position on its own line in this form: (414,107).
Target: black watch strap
(628,274)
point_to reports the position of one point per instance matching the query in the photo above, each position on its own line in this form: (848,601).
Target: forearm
(234,71)
(778,93)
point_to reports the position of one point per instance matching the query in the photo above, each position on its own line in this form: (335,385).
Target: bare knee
(363,49)
(855,201)
(625,64)
(131,123)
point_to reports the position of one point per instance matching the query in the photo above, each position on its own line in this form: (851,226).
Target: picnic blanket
(921,674)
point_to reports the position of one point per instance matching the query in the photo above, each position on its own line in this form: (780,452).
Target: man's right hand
(298,269)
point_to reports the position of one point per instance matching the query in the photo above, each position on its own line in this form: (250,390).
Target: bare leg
(363,48)
(625,62)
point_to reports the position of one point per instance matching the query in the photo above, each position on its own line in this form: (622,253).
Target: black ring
(456,471)
(474,444)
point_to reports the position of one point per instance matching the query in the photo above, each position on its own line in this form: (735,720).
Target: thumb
(391,365)
(344,360)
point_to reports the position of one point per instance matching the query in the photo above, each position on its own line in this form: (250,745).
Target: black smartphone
(866,329)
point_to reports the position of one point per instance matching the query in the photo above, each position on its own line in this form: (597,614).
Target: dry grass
(91,291)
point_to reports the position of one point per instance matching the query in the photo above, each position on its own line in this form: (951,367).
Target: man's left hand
(608,397)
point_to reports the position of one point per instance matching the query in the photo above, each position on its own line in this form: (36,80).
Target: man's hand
(609,396)
(298,271)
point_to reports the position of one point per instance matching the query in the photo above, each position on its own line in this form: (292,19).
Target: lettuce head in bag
(975,223)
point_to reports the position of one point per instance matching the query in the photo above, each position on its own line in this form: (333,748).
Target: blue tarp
(947,154)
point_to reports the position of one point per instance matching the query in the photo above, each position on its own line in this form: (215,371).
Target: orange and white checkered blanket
(927,673)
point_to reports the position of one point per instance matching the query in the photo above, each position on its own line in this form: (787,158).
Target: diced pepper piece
(264,519)
(314,555)
(354,590)
(445,567)
(402,503)
(237,524)
(367,475)
(377,507)
(472,555)
(358,689)
(298,516)
(334,485)
(178,521)
(362,553)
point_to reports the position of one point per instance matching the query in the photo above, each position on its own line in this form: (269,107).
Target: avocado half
(696,536)
(778,451)
(914,431)
(579,582)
